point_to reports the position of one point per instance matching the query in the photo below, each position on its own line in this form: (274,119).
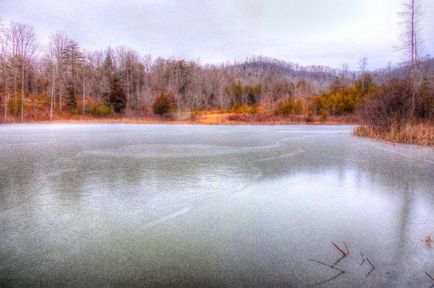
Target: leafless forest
(66,75)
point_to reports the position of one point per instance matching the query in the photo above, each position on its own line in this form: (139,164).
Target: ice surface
(196,206)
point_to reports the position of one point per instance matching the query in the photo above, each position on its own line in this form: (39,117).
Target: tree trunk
(6,99)
(53,85)
(22,93)
(60,98)
(15,88)
(84,96)
(413,72)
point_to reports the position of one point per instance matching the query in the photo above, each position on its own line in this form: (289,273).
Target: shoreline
(411,136)
(197,119)
(134,122)
(421,134)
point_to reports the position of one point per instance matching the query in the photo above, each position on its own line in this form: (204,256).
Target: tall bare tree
(4,70)
(411,16)
(363,64)
(55,49)
(23,46)
(73,60)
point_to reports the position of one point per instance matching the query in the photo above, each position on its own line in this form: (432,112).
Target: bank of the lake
(418,134)
(202,117)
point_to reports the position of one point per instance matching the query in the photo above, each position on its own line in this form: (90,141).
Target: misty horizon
(311,33)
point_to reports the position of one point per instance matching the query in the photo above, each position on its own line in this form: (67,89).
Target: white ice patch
(167,218)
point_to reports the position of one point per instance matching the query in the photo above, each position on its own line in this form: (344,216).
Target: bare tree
(56,47)
(53,69)
(363,66)
(85,71)
(22,39)
(412,44)
(4,69)
(73,60)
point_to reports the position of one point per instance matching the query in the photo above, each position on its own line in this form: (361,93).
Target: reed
(420,133)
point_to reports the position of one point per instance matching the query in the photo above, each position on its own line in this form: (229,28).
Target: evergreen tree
(117,98)
(253,94)
(163,104)
(70,99)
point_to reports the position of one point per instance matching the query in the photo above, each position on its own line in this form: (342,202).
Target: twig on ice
(328,280)
(325,264)
(346,248)
(337,261)
(340,249)
(372,265)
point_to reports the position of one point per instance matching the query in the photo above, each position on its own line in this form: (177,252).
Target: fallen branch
(363,259)
(341,250)
(346,248)
(338,261)
(431,277)
(372,265)
(327,280)
(325,264)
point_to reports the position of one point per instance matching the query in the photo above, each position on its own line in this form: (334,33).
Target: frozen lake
(212,206)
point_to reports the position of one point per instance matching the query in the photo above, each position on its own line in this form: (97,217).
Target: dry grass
(420,134)
(216,117)
(227,118)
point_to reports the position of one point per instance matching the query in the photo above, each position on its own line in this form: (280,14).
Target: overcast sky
(320,32)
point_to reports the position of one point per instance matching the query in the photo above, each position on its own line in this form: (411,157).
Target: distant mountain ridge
(256,66)
(259,67)
(401,71)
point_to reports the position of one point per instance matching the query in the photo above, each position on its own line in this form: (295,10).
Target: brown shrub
(390,106)
(163,104)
